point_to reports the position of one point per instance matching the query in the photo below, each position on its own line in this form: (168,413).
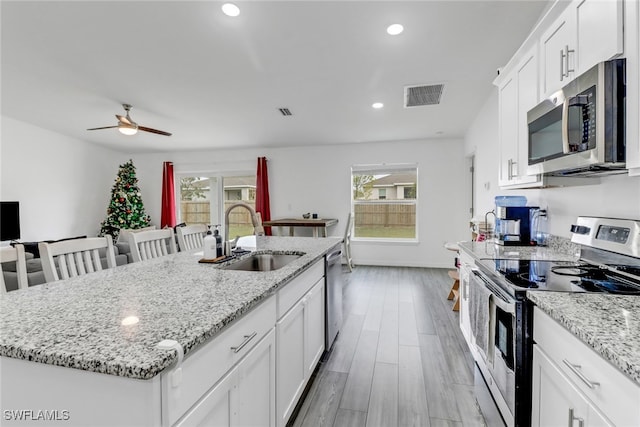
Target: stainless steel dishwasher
(333,297)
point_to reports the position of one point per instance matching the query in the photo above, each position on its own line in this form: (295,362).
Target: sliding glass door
(204,199)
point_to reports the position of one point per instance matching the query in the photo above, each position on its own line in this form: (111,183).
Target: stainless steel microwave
(580,130)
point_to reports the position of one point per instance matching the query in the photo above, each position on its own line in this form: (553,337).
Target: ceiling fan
(127,126)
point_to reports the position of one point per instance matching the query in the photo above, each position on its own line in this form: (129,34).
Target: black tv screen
(9,221)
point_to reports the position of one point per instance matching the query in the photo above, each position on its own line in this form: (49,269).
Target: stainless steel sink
(263,262)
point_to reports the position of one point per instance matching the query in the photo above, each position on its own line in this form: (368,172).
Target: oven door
(495,351)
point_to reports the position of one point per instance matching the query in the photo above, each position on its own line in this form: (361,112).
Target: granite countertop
(609,324)
(560,251)
(77,323)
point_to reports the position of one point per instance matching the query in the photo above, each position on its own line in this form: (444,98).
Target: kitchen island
(111,322)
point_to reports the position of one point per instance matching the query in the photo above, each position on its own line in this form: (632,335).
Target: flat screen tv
(9,221)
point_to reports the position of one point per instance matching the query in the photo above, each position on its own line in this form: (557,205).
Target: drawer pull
(572,418)
(247,338)
(576,370)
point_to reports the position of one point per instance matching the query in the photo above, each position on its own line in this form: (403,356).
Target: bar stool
(454,293)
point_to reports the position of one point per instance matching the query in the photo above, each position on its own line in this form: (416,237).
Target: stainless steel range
(501,316)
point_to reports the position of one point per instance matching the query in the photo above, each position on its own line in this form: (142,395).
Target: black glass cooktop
(567,276)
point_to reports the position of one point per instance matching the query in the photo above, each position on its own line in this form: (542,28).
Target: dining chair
(152,244)
(347,242)
(77,257)
(191,236)
(10,254)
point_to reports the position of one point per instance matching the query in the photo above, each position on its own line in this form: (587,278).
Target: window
(384,199)
(205,199)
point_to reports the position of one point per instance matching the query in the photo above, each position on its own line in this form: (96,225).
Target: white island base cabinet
(243,397)
(299,342)
(231,380)
(36,394)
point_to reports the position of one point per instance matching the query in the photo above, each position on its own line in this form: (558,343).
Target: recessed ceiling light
(377,105)
(230,9)
(395,29)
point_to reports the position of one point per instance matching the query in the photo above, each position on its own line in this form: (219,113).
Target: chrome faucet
(256,221)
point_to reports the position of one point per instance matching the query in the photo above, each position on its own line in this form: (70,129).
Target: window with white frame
(384,200)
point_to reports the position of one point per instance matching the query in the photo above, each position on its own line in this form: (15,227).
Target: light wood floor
(399,359)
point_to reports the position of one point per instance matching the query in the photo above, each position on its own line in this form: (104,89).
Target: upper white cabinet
(518,93)
(587,32)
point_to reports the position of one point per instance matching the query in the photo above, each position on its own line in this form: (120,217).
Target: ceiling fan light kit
(127,129)
(126,126)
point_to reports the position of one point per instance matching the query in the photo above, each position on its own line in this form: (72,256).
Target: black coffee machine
(513,225)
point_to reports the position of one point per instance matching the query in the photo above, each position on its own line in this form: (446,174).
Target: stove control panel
(621,236)
(613,234)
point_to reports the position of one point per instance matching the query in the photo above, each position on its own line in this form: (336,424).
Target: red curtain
(262,193)
(168,218)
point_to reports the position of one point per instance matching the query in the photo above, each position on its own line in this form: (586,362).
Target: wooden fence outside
(199,212)
(384,214)
(366,215)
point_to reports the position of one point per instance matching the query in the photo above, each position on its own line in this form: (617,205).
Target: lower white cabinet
(300,344)
(556,402)
(572,381)
(466,264)
(245,396)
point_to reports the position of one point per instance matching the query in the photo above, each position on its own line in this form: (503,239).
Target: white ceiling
(217,82)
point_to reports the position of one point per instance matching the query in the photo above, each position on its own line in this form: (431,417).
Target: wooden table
(292,223)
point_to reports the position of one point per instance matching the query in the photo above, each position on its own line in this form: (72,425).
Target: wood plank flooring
(399,359)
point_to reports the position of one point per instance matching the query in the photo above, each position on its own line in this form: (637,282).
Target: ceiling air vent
(417,96)
(285,111)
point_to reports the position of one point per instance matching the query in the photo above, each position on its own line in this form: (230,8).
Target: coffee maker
(514,225)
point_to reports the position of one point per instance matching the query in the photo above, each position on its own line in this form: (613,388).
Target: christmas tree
(125,207)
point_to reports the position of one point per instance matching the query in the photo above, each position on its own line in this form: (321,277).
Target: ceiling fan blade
(123,119)
(159,132)
(106,127)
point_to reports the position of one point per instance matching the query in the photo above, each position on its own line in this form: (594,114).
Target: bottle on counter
(218,238)
(209,245)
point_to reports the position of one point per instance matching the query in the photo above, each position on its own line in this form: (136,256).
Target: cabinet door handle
(566,59)
(573,418)
(246,340)
(576,370)
(561,64)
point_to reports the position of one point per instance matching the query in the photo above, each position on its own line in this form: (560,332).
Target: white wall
(63,184)
(614,196)
(317,179)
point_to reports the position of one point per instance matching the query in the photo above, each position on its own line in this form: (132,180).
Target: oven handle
(505,303)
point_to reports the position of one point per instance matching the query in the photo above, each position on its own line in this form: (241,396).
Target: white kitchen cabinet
(466,264)
(245,396)
(300,343)
(567,374)
(314,327)
(205,367)
(518,93)
(556,402)
(587,32)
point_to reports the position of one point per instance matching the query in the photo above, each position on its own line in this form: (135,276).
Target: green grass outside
(399,232)
(240,230)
